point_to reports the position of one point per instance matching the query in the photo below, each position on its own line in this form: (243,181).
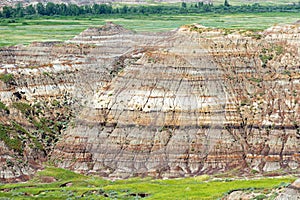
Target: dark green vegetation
(25,31)
(7,78)
(38,128)
(15,136)
(51,9)
(69,185)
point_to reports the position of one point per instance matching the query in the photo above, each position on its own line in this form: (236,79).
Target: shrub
(260,197)
(3,107)
(25,108)
(12,143)
(7,78)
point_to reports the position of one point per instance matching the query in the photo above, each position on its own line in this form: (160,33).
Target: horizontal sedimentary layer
(192,101)
(204,102)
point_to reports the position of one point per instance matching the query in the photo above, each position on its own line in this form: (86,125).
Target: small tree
(226,3)
(40,9)
(30,10)
(7,11)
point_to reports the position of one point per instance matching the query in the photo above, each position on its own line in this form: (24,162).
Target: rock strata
(192,101)
(201,101)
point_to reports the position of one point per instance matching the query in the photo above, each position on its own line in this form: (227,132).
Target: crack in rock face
(182,103)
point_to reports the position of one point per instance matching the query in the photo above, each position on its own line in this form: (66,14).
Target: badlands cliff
(116,103)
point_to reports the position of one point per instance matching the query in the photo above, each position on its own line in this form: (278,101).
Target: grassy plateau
(25,31)
(70,185)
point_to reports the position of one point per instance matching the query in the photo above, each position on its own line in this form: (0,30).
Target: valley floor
(56,183)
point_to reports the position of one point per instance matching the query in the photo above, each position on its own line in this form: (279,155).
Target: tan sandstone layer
(192,101)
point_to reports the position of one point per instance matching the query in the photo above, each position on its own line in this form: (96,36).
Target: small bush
(12,143)
(265,59)
(257,80)
(25,108)
(202,178)
(260,197)
(3,107)
(278,50)
(12,21)
(283,185)
(7,78)
(286,72)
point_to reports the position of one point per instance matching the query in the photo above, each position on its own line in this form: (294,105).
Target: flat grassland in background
(25,31)
(69,185)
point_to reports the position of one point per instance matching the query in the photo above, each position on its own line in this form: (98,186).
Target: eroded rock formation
(191,101)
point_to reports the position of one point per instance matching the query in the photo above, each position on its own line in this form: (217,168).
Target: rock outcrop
(290,193)
(281,192)
(192,101)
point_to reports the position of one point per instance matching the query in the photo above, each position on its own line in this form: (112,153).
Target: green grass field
(70,185)
(25,31)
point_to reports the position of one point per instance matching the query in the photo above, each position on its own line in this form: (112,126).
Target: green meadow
(25,31)
(70,185)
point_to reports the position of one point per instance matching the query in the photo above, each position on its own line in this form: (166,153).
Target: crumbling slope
(203,101)
(192,101)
